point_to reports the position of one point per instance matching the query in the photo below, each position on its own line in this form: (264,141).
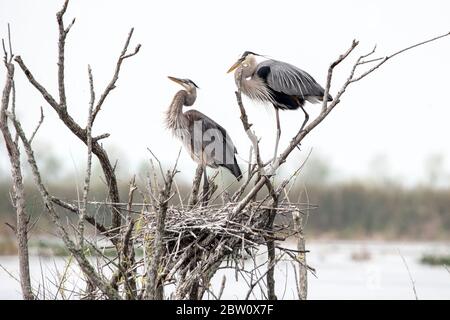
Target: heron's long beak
(179,81)
(235,65)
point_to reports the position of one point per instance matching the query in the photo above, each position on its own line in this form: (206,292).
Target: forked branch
(62,110)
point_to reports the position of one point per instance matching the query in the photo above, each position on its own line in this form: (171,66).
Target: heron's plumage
(255,88)
(222,149)
(277,82)
(206,141)
(287,79)
(175,118)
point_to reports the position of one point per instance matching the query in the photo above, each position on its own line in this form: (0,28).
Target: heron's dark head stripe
(246,53)
(193,83)
(189,81)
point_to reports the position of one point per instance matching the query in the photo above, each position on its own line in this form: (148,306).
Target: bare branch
(154,287)
(383,60)
(251,135)
(21,229)
(159,165)
(87,179)
(47,96)
(112,83)
(302,271)
(128,259)
(74,209)
(13,228)
(255,144)
(41,120)
(413,283)
(100,137)
(222,287)
(193,199)
(66,31)
(11,55)
(5,53)
(61,46)
(341,58)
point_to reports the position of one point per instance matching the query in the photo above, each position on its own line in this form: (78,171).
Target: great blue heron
(206,141)
(282,84)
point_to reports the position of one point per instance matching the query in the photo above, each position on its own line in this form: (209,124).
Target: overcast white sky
(402,111)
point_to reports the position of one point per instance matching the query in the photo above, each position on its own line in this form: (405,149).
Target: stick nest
(190,226)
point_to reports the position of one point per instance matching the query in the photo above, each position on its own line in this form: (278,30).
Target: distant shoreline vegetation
(346,210)
(435,260)
(48,248)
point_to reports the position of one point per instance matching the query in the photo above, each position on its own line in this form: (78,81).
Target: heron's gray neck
(190,98)
(175,118)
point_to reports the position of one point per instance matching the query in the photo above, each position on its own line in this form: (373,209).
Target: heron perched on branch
(283,85)
(206,141)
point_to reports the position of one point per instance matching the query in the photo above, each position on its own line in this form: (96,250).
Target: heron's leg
(304,121)
(205,186)
(306,118)
(278,135)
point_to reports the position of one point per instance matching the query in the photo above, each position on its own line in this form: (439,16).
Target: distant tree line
(344,209)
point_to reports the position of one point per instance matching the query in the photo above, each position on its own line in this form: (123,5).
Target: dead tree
(18,193)
(183,246)
(197,245)
(61,108)
(93,146)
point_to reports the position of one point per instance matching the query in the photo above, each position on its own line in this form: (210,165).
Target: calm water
(382,275)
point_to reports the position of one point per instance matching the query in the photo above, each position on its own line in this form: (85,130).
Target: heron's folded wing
(288,79)
(212,132)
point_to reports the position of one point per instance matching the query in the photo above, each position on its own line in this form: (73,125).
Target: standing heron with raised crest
(283,85)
